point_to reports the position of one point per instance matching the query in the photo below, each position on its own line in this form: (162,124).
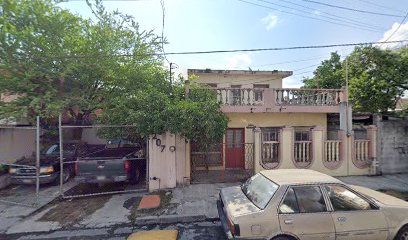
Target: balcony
(280,100)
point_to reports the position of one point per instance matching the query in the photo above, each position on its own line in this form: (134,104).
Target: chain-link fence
(101,159)
(21,172)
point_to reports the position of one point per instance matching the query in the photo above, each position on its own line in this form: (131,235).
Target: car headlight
(46,170)
(12,170)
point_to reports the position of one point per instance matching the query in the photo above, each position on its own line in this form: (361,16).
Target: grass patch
(70,212)
(164,208)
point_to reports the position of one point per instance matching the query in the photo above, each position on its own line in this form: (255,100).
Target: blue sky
(201,25)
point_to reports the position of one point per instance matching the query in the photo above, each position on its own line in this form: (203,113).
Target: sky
(206,25)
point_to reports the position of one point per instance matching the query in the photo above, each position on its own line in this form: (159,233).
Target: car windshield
(54,149)
(259,190)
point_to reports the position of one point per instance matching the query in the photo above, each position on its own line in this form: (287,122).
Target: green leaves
(377,78)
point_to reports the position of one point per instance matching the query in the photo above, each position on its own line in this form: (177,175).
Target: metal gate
(22,173)
(208,166)
(96,170)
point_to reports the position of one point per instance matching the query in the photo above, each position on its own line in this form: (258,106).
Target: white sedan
(299,204)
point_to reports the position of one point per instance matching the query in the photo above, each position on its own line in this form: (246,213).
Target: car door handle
(288,221)
(341,219)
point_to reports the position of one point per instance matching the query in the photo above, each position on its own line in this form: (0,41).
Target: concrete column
(286,148)
(162,162)
(318,150)
(372,147)
(257,150)
(345,117)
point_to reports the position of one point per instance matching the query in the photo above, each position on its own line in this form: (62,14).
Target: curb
(171,219)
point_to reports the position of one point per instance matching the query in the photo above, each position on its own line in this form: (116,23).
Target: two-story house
(273,127)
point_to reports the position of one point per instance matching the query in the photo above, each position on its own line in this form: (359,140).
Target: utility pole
(172,66)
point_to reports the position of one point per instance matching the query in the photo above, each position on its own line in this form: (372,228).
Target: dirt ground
(71,212)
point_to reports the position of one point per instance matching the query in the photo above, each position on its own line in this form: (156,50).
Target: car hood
(381,197)
(44,160)
(236,203)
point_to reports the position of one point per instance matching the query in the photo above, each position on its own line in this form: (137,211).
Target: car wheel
(402,234)
(66,174)
(283,238)
(136,176)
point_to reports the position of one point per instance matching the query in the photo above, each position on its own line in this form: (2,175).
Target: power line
(381,6)
(231,51)
(352,9)
(162,36)
(293,61)
(396,30)
(306,16)
(342,18)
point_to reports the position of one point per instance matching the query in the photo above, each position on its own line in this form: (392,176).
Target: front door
(235,148)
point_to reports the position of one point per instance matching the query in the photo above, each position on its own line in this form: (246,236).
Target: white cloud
(239,60)
(270,21)
(292,82)
(401,34)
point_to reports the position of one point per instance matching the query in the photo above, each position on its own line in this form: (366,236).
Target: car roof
(298,176)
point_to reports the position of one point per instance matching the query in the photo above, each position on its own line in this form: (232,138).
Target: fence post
(372,147)
(61,155)
(257,150)
(37,165)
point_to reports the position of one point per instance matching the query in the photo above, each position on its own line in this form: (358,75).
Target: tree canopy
(377,77)
(57,62)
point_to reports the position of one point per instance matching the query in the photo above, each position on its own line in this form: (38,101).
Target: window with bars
(236,94)
(302,147)
(270,146)
(258,91)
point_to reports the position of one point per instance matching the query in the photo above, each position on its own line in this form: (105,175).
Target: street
(190,231)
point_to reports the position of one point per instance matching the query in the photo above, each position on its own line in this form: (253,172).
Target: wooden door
(235,148)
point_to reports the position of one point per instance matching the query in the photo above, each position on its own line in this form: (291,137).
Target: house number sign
(160,145)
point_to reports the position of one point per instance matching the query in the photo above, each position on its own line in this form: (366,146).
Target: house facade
(272,127)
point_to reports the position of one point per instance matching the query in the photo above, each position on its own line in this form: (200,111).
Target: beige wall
(16,143)
(167,168)
(226,78)
(346,167)
(241,120)
(89,136)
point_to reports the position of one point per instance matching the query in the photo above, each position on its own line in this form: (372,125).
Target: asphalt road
(190,231)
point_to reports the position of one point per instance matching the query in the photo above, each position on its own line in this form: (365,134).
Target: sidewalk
(13,214)
(193,203)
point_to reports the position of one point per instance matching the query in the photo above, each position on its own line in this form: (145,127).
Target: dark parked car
(49,164)
(119,161)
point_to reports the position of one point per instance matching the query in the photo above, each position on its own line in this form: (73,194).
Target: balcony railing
(269,97)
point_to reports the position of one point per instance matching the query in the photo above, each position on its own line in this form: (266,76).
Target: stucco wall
(239,120)
(226,78)
(16,143)
(392,150)
(167,162)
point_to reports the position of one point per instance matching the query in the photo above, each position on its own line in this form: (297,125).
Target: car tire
(136,176)
(66,175)
(402,234)
(283,238)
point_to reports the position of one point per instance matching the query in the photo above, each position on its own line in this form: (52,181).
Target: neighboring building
(273,127)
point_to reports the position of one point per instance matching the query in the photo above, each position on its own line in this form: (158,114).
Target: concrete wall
(346,167)
(167,162)
(392,150)
(224,79)
(16,143)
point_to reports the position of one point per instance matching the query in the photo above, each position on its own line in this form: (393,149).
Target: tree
(377,78)
(329,75)
(57,62)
